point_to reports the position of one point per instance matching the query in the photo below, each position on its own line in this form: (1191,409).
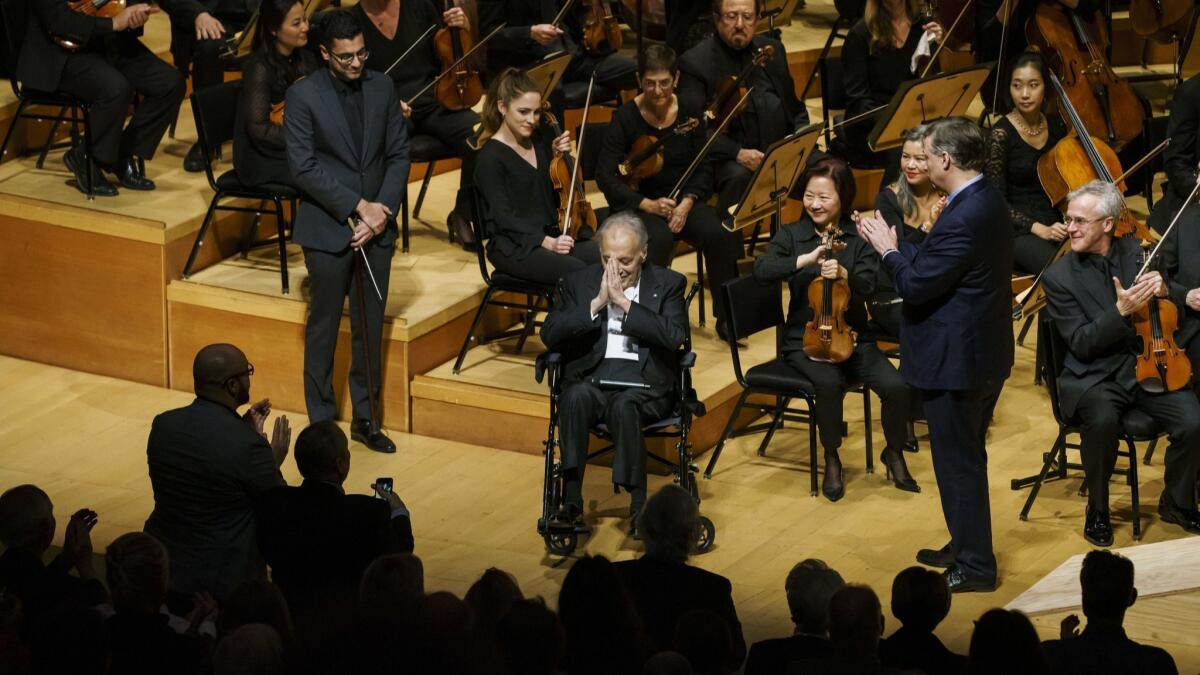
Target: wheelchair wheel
(706,534)
(561,543)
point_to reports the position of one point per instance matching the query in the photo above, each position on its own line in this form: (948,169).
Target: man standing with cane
(956,336)
(348,151)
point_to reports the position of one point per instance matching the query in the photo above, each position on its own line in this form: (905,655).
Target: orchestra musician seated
(512,176)
(620,319)
(772,110)
(1014,147)
(658,116)
(1182,156)
(1099,386)
(797,254)
(280,57)
(109,67)
(1181,259)
(391,28)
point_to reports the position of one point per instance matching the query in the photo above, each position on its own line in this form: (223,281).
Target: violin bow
(687,175)
(454,65)
(410,48)
(366,263)
(1142,162)
(587,104)
(945,38)
(1166,233)
(562,13)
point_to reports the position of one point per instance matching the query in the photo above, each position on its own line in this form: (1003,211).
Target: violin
(98,8)
(1161,365)
(1161,20)
(462,86)
(601,32)
(574,209)
(1104,102)
(827,337)
(279,109)
(645,158)
(733,87)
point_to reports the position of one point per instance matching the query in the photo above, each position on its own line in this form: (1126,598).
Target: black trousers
(1193,353)
(583,405)
(454,128)
(958,422)
(867,365)
(547,267)
(611,70)
(1031,253)
(732,180)
(332,278)
(207,66)
(1100,410)
(720,247)
(108,82)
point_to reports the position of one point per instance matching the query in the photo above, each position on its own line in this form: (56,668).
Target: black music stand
(774,14)
(549,71)
(920,101)
(781,167)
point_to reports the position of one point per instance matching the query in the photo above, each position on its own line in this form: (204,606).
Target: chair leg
(530,322)
(1133,490)
(716,453)
(404,222)
(700,280)
(248,240)
(781,404)
(1059,448)
(1150,452)
(90,165)
(41,160)
(812,451)
(424,186)
(869,441)
(281,225)
(1025,329)
(187,267)
(462,353)
(11,127)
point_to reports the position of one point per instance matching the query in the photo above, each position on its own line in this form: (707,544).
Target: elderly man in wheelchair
(619,364)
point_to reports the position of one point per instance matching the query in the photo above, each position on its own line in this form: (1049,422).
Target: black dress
(1012,167)
(885,304)
(259,147)
(521,210)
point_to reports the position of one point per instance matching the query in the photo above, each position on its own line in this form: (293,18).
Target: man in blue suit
(956,335)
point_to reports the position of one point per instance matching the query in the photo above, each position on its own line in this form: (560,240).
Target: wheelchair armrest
(545,361)
(687,360)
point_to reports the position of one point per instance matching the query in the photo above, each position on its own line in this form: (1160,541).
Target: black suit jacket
(319,540)
(326,167)
(1183,128)
(664,591)
(919,651)
(207,466)
(957,291)
(41,60)
(512,46)
(771,657)
(1106,650)
(658,321)
(1083,305)
(1181,261)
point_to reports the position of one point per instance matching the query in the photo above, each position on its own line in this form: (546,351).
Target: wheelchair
(561,535)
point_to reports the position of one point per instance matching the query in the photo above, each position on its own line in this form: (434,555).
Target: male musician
(1181,156)
(530,35)
(348,151)
(106,71)
(391,28)
(1091,294)
(1181,260)
(956,329)
(621,320)
(772,111)
(199,33)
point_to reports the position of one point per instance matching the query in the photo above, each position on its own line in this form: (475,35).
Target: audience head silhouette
(137,573)
(1005,641)
(256,601)
(667,663)
(26,519)
(491,597)
(530,638)
(809,586)
(668,524)
(394,580)
(323,453)
(1108,590)
(253,649)
(855,621)
(601,625)
(920,598)
(221,374)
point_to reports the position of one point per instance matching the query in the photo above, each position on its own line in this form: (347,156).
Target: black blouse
(872,78)
(1012,167)
(626,126)
(520,205)
(259,146)
(420,66)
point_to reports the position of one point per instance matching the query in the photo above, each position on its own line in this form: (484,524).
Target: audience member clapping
(809,586)
(603,630)
(530,638)
(1005,642)
(920,600)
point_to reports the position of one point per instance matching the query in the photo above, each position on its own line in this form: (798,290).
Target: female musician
(1013,149)
(280,58)
(655,113)
(796,254)
(512,175)
(877,58)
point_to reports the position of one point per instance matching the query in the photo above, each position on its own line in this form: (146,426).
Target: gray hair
(1108,197)
(627,220)
(958,137)
(904,193)
(668,523)
(25,514)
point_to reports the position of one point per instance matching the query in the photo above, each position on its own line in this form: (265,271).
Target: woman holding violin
(647,148)
(512,177)
(799,255)
(281,56)
(1014,147)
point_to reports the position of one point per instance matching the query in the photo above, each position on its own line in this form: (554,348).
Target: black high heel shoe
(831,485)
(897,470)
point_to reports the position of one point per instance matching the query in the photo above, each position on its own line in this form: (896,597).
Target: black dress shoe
(1188,519)
(897,470)
(960,582)
(461,231)
(1097,528)
(77,162)
(129,174)
(723,334)
(366,433)
(942,557)
(195,161)
(831,485)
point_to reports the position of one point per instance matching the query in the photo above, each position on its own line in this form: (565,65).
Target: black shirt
(1011,166)
(351,96)
(520,205)
(872,78)
(763,121)
(421,65)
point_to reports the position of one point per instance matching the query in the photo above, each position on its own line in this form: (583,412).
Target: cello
(827,337)
(645,156)
(1161,20)
(462,87)
(601,32)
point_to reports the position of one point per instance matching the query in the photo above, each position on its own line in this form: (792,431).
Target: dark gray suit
(207,466)
(334,171)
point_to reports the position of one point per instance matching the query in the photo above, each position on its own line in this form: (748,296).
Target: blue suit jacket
(956,328)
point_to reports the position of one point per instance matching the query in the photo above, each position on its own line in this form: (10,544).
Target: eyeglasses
(1069,220)
(248,372)
(347,59)
(732,17)
(658,84)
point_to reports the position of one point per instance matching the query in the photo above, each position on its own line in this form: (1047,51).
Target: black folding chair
(422,149)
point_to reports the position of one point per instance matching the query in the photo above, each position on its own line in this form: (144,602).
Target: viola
(462,86)
(725,103)
(574,209)
(98,8)
(645,156)
(827,337)
(1161,365)
(601,31)
(1161,20)
(1074,50)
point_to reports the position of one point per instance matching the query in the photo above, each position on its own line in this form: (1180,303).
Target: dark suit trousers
(1193,354)
(1100,410)
(109,85)
(332,278)
(454,128)
(582,405)
(720,247)
(732,180)
(612,70)
(868,365)
(958,422)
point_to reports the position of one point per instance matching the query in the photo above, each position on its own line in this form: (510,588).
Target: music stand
(549,71)
(781,167)
(775,13)
(920,101)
